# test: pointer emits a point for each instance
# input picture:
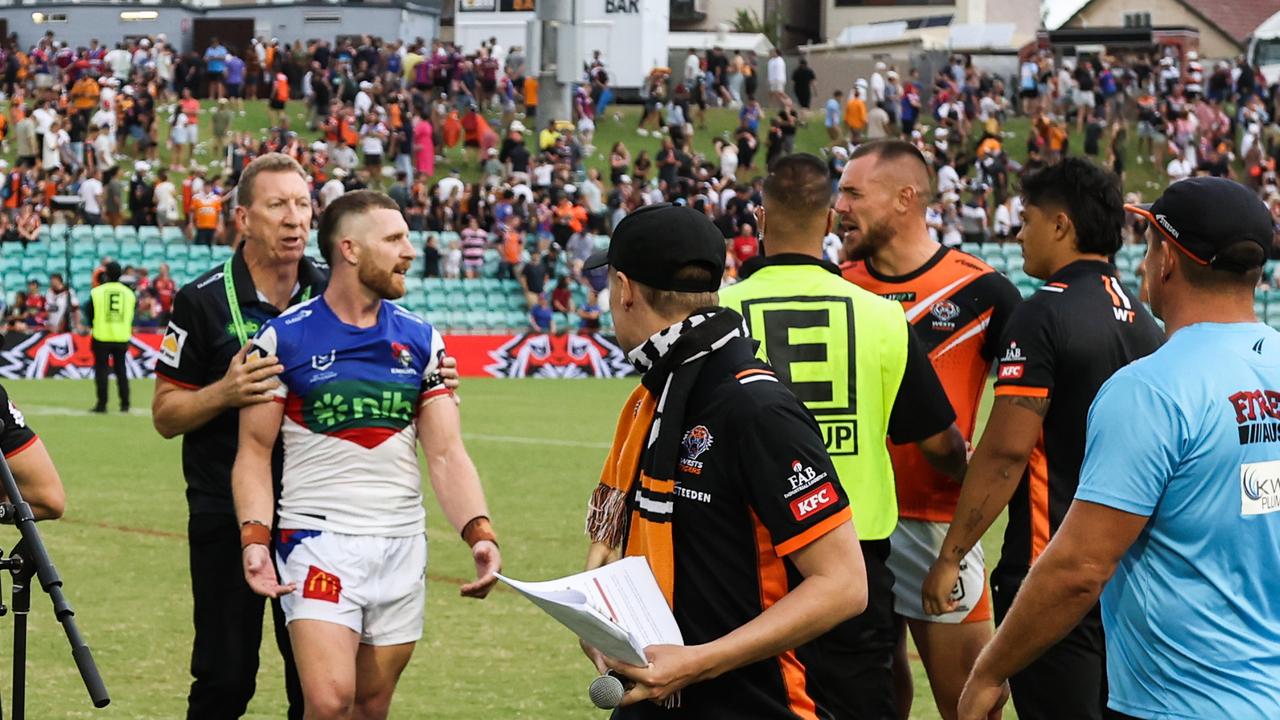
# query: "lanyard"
(233, 302)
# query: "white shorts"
(1083, 98)
(913, 547)
(778, 87)
(374, 585)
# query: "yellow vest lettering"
(113, 306)
(843, 352)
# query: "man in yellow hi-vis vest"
(853, 360)
(110, 314)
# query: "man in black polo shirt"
(720, 479)
(1060, 346)
(203, 379)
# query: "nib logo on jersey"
(1013, 363)
(363, 412)
(1257, 415)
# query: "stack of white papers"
(617, 609)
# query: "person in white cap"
(877, 85)
(364, 99)
(333, 189)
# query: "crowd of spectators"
(383, 114)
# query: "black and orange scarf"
(633, 505)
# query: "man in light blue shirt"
(1178, 508)
(835, 114)
(215, 69)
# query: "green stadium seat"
(200, 252)
(517, 321)
(196, 268)
(56, 265)
(495, 301)
(220, 253)
(56, 248)
(495, 320)
(149, 233)
(437, 300)
(79, 232)
(176, 252)
(516, 301)
(84, 249)
(10, 264)
(15, 281)
(153, 252)
(433, 284)
(126, 232)
(132, 247)
(12, 249)
(971, 248)
(33, 266)
(456, 300)
(82, 265)
(108, 247)
(172, 235)
(103, 232)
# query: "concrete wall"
(286, 22)
(1214, 43)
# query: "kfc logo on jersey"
(1012, 371)
(811, 503)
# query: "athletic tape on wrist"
(253, 532)
(477, 529)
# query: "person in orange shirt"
(511, 249)
(279, 99)
(959, 307)
(84, 94)
(530, 96)
(855, 112)
(206, 217)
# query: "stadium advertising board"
(67, 355)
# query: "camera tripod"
(29, 559)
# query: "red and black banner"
(67, 355)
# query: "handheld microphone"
(606, 691)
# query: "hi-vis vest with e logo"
(113, 305)
(843, 352)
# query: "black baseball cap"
(654, 242)
(1204, 215)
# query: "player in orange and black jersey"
(1060, 346)
(958, 306)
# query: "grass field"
(122, 551)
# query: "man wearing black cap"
(1058, 348)
(1177, 517)
(720, 480)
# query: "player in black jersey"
(1060, 346)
